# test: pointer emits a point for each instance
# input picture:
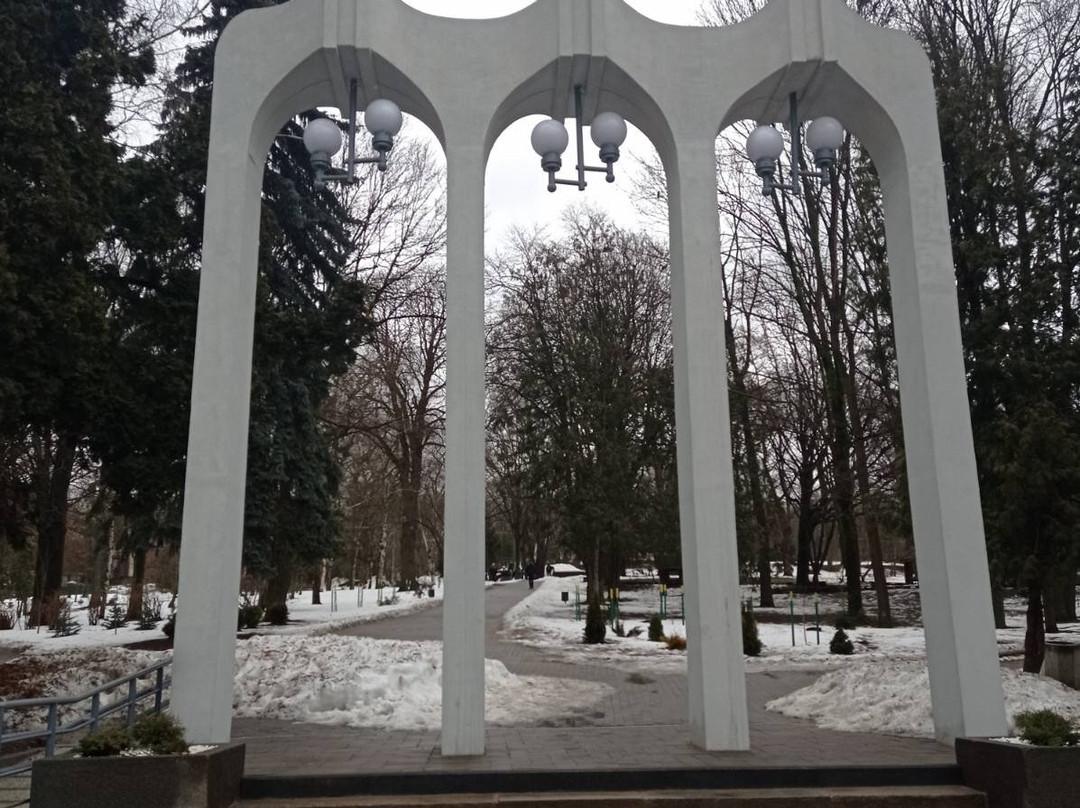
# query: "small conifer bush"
(65, 625)
(160, 733)
(751, 642)
(841, 643)
(106, 741)
(116, 618)
(251, 616)
(1046, 728)
(148, 617)
(656, 629)
(595, 630)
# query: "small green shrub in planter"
(277, 615)
(595, 630)
(751, 641)
(160, 733)
(107, 741)
(841, 644)
(1046, 728)
(656, 629)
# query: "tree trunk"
(316, 586)
(997, 600)
(805, 533)
(98, 576)
(276, 592)
(862, 474)
(761, 519)
(408, 547)
(52, 482)
(1035, 638)
(138, 578)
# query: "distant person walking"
(530, 573)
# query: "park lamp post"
(323, 139)
(550, 139)
(765, 145)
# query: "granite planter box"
(202, 780)
(1021, 776)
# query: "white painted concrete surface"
(467, 80)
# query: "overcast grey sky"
(516, 193)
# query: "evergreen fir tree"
(59, 185)
(148, 617)
(116, 618)
(309, 321)
(841, 643)
(65, 625)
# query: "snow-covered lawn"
(544, 622)
(88, 636)
(894, 699)
(351, 606)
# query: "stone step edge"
(885, 797)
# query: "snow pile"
(361, 682)
(894, 699)
(69, 672)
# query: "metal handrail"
(53, 704)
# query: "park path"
(640, 724)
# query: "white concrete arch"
(882, 91)
(467, 80)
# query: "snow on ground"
(361, 682)
(68, 672)
(351, 606)
(894, 699)
(352, 681)
(88, 636)
(544, 622)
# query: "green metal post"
(817, 616)
(791, 609)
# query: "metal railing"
(91, 719)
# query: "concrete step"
(884, 797)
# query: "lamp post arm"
(796, 143)
(580, 132)
(353, 104)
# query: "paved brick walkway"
(637, 726)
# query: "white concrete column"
(716, 683)
(204, 659)
(463, 607)
(961, 647)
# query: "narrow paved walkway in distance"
(641, 724)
